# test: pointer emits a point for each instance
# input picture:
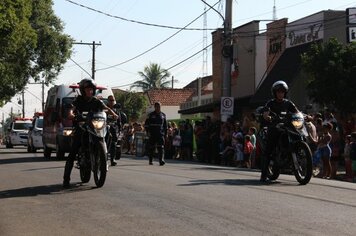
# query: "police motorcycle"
(92, 155)
(292, 153)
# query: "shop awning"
(287, 69)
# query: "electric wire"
(81, 67)
(251, 34)
(134, 21)
(157, 45)
(307, 24)
(33, 95)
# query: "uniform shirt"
(156, 124)
(283, 106)
(83, 105)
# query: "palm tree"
(153, 77)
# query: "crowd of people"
(233, 143)
(331, 146)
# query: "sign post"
(226, 107)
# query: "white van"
(57, 128)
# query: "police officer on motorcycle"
(156, 128)
(86, 102)
(115, 129)
(278, 105)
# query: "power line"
(133, 21)
(80, 67)
(143, 53)
(254, 34)
(33, 95)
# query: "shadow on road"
(43, 190)
(14, 160)
(237, 182)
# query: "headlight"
(98, 124)
(297, 124)
(67, 132)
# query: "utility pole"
(43, 94)
(23, 103)
(227, 52)
(93, 44)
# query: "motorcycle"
(92, 155)
(292, 153)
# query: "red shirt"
(248, 148)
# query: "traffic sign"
(351, 34)
(227, 106)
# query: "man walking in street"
(156, 128)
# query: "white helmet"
(280, 84)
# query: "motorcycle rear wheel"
(100, 165)
(304, 170)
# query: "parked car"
(57, 128)
(17, 134)
(35, 132)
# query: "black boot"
(113, 162)
(67, 171)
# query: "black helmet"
(280, 84)
(87, 82)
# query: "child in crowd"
(252, 132)
(248, 149)
(239, 154)
(325, 149)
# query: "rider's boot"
(113, 162)
(67, 171)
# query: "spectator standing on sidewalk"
(252, 132)
(248, 149)
(325, 149)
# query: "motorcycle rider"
(156, 127)
(116, 107)
(86, 102)
(278, 105)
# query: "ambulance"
(18, 132)
(57, 128)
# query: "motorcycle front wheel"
(85, 171)
(303, 166)
(273, 171)
(100, 165)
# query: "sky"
(134, 33)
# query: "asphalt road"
(180, 198)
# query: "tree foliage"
(153, 77)
(331, 71)
(133, 104)
(32, 45)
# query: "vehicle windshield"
(65, 102)
(39, 123)
(22, 125)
